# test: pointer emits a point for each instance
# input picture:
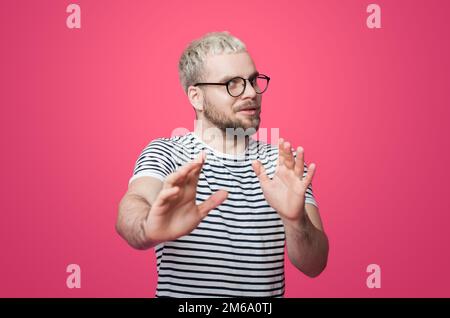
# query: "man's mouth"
(249, 111)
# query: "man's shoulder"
(178, 147)
(171, 141)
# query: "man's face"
(220, 108)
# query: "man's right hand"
(175, 212)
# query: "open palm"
(286, 191)
(175, 212)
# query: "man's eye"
(236, 82)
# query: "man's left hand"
(286, 191)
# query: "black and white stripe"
(238, 249)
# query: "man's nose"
(249, 90)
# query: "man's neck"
(219, 140)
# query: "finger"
(288, 156)
(177, 177)
(166, 195)
(299, 162)
(180, 175)
(260, 171)
(201, 157)
(280, 152)
(310, 174)
(194, 174)
(198, 162)
(212, 202)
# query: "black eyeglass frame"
(262, 76)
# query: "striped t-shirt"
(238, 248)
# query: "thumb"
(212, 202)
(260, 171)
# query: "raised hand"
(286, 191)
(175, 212)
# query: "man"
(219, 223)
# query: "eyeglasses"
(236, 86)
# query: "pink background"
(370, 107)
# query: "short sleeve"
(156, 160)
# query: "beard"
(224, 121)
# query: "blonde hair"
(192, 61)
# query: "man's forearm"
(307, 246)
(133, 212)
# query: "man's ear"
(195, 95)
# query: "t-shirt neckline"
(239, 156)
